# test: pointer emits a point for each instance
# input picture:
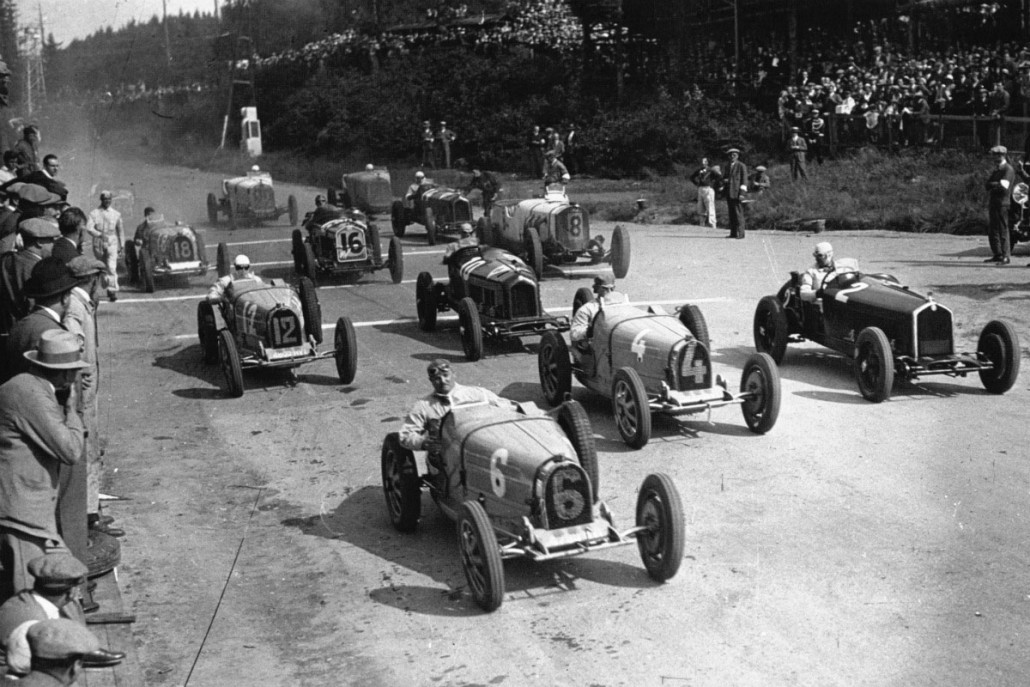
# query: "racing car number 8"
(499, 458)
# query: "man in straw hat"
(736, 190)
(38, 434)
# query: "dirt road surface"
(855, 544)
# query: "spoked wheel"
(206, 332)
(554, 367)
(396, 258)
(297, 241)
(345, 345)
(694, 321)
(471, 331)
(620, 252)
(660, 510)
(230, 360)
(770, 328)
(480, 556)
(999, 343)
(425, 302)
(397, 218)
(534, 251)
(874, 365)
(630, 407)
(401, 484)
(310, 309)
(760, 379)
(574, 420)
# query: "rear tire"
(770, 328)
(345, 344)
(396, 258)
(534, 251)
(425, 301)
(310, 309)
(692, 318)
(231, 367)
(999, 343)
(471, 331)
(874, 365)
(480, 556)
(401, 484)
(620, 252)
(554, 367)
(397, 218)
(761, 378)
(660, 510)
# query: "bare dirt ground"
(855, 544)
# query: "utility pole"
(168, 47)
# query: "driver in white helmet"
(240, 273)
(413, 190)
(468, 240)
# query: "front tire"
(874, 365)
(574, 420)
(471, 332)
(999, 343)
(401, 485)
(761, 379)
(630, 408)
(554, 367)
(397, 219)
(396, 258)
(770, 328)
(693, 319)
(425, 301)
(534, 251)
(310, 309)
(310, 264)
(480, 556)
(345, 345)
(620, 252)
(298, 251)
(230, 360)
(660, 510)
(206, 332)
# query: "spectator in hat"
(998, 101)
(46, 176)
(759, 181)
(36, 201)
(56, 576)
(798, 148)
(40, 430)
(60, 648)
(49, 286)
(16, 269)
(28, 150)
(999, 194)
(427, 145)
(105, 226)
(554, 171)
(487, 185)
(736, 190)
(444, 139)
(537, 145)
(71, 224)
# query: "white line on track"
(200, 297)
(401, 320)
(259, 243)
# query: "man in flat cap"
(59, 648)
(736, 189)
(16, 269)
(999, 194)
(581, 331)
(105, 225)
(49, 287)
(40, 430)
(421, 428)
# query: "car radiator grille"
(284, 329)
(523, 300)
(462, 211)
(933, 328)
(567, 497)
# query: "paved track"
(856, 544)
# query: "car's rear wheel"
(694, 320)
(310, 309)
(345, 346)
(760, 379)
(583, 295)
(132, 262)
(310, 264)
(231, 366)
(469, 327)
(660, 510)
(480, 556)
(222, 260)
(630, 408)
(534, 251)
(397, 219)
(770, 328)
(206, 332)
(401, 484)
(146, 270)
(554, 367)
(620, 252)
(297, 240)
(291, 209)
(574, 420)
(396, 258)
(999, 343)
(425, 301)
(430, 223)
(212, 208)
(874, 365)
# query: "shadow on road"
(983, 292)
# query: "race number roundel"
(497, 481)
(182, 249)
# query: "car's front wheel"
(761, 381)
(310, 309)
(396, 258)
(425, 301)
(231, 366)
(397, 218)
(345, 346)
(222, 260)
(554, 367)
(770, 328)
(999, 343)
(874, 365)
(471, 331)
(660, 511)
(401, 485)
(630, 408)
(480, 556)
(206, 332)
(298, 251)
(534, 251)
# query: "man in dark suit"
(50, 287)
(47, 177)
(71, 223)
(736, 188)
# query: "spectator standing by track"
(444, 139)
(706, 179)
(537, 144)
(999, 194)
(105, 225)
(798, 149)
(736, 188)
(572, 150)
(28, 150)
(428, 137)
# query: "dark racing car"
(440, 210)
(888, 329)
(346, 244)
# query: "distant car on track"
(249, 200)
(886, 328)
(522, 483)
(368, 190)
(347, 245)
(440, 210)
(165, 250)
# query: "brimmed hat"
(999, 150)
(760, 168)
(39, 228)
(106, 194)
(37, 195)
(82, 266)
(50, 276)
(604, 280)
(733, 150)
(58, 349)
(60, 638)
(57, 571)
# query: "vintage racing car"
(164, 250)
(551, 230)
(441, 210)
(368, 190)
(648, 361)
(249, 200)
(886, 328)
(494, 293)
(265, 325)
(345, 245)
(524, 483)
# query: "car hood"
(872, 292)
